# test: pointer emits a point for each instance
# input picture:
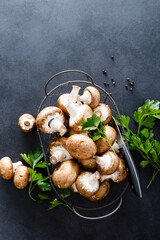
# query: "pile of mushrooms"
(84, 166)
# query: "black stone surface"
(42, 37)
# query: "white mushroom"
(107, 163)
(87, 183)
(26, 122)
(7, 168)
(51, 120)
(91, 96)
(58, 150)
(104, 112)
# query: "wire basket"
(81, 205)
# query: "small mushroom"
(81, 147)
(91, 96)
(74, 188)
(58, 151)
(102, 144)
(119, 175)
(7, 168)
(65, 99)
(87, 183)
(26, 122)
(107, 163)
(65, 174)
(104, 112)
(88, 163)
(21, 177)
(101, 193)
(51, 120)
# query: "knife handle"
(132, 174)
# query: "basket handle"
(101, 217)
(67, 71)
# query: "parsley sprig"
(143, 141)
(96, 129)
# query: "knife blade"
(132, 173)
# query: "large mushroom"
(102, 144)
(81, 147)
(119, 175)
(87, 183)
(7, 168)
(58, 150)
(26, 122)
(107, 163)
(65, 174)
(104, 112)
(101, 193)
(88, 163)
(91, 96)
(51, 120)
(21, 177)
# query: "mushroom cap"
(26, 122)
(108, 163)
(82, 113)
(46, 116)
(21, 177)
(122, 173)
(87, 184)
(62, 102)
(101, 193)
(102, 144)
(65, 174)
(72, 132)
(88, 163)
(81, 147)
(6, 168)
(104, 111)
(95, 96)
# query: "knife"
(132, 173)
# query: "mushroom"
(65, 174)
(104, 112)
(116, 147)
(64, 100)
(21, 177)
(101, 193)
(58, 151)
(119, 175)
(72, 132)
(102, 144)
(81, 147)
(107, 163)
(87, 183)
(88, 163)
(74, 188)
(26, 122)
(51, 120)
(7, 168)
(91, 96)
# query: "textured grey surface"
(39, 38)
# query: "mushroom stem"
(57, 156)
(98, 113)
(16, 165)
(74, 93)
(60, 127)
(86, 97)
(27, 123)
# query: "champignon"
(65, 99)
(26, 122)
(65, 174)
(102, 144)
(81, 147)
(21, 177)
(87, 183)
(51, 120)
(101, 193)
(58, 151)
(119, 175)
(107, 163)
(91, 96)
(7, 168)
(104, 112)
(88, 163)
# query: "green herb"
(96, 129)
(143, 141)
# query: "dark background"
(40, 38)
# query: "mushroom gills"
(102, 111)
(86, 97)
(89, 182)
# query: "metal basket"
(113, 201)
